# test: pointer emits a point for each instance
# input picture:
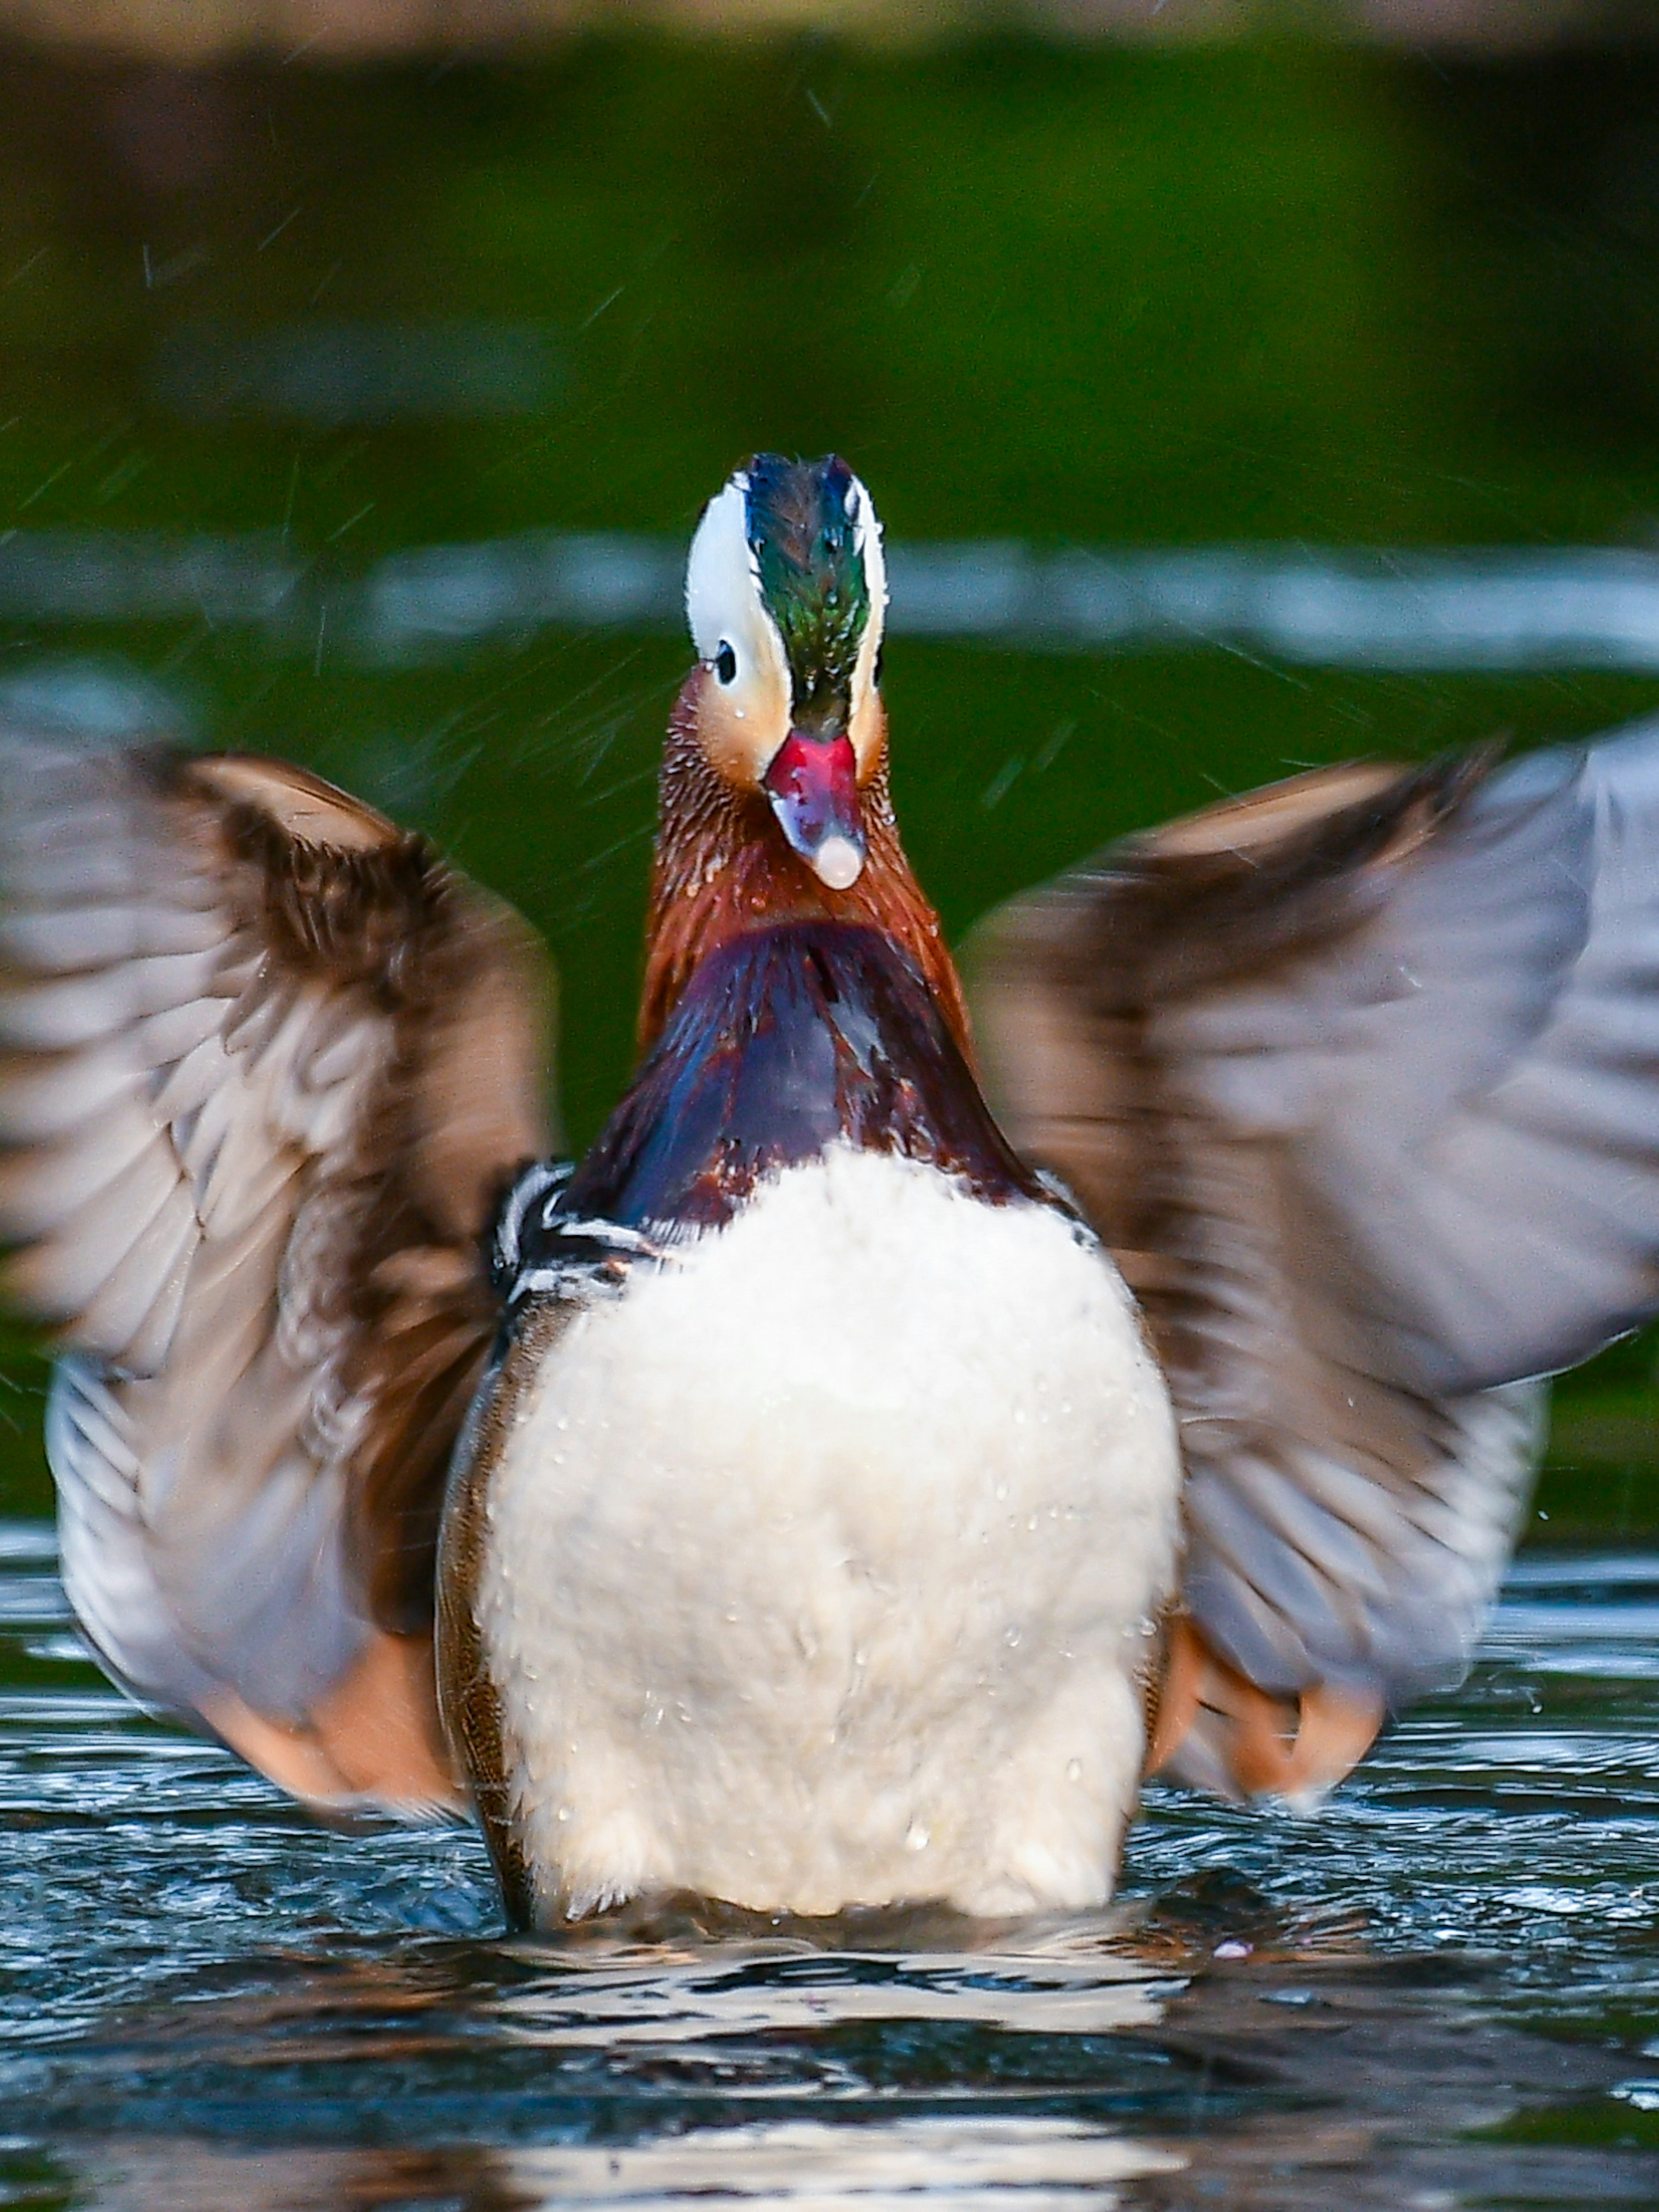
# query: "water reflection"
(1041, 1990)
(1032, 2166)
(1443, 1990)
(1250, 2083)
(1496, 610)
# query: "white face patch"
(866, 724)
(744, 716)
(746, 709)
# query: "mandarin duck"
(831, 1492)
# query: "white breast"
(822, 1564)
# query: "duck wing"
(267, 1064)
(1358, 1078)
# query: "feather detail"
(1354, 1077)
(788, 1039)
(723, 868)
(254, 1123)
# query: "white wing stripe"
(46, 1097)
(41, 1186)
(161, 1039)
(132, 1318)
(61, 940)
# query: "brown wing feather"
(268, 1063)
(1246, 1042)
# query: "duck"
(899, 1434)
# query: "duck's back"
(817, 1564)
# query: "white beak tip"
(838, 863)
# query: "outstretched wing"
(1358, 1078)
(267, 1064)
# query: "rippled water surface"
(1444, 1991)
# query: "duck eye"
(726, 662)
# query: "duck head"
(786, 592)
(774, 800)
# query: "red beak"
(813, 785)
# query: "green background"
(1056, 295)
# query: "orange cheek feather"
(723, 866)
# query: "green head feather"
(812, 577)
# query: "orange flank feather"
(723, 867)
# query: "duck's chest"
(819, 1566)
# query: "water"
(1492, 608)
(1443, 1990)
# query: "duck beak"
(813, 786)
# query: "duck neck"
(723, 868)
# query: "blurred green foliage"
(1056, 295)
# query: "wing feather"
(266, 1064)
(1359, 1079)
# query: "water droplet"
(1011, 1638)
(1074, 1770)
(564, 1813)
(916, 1836)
